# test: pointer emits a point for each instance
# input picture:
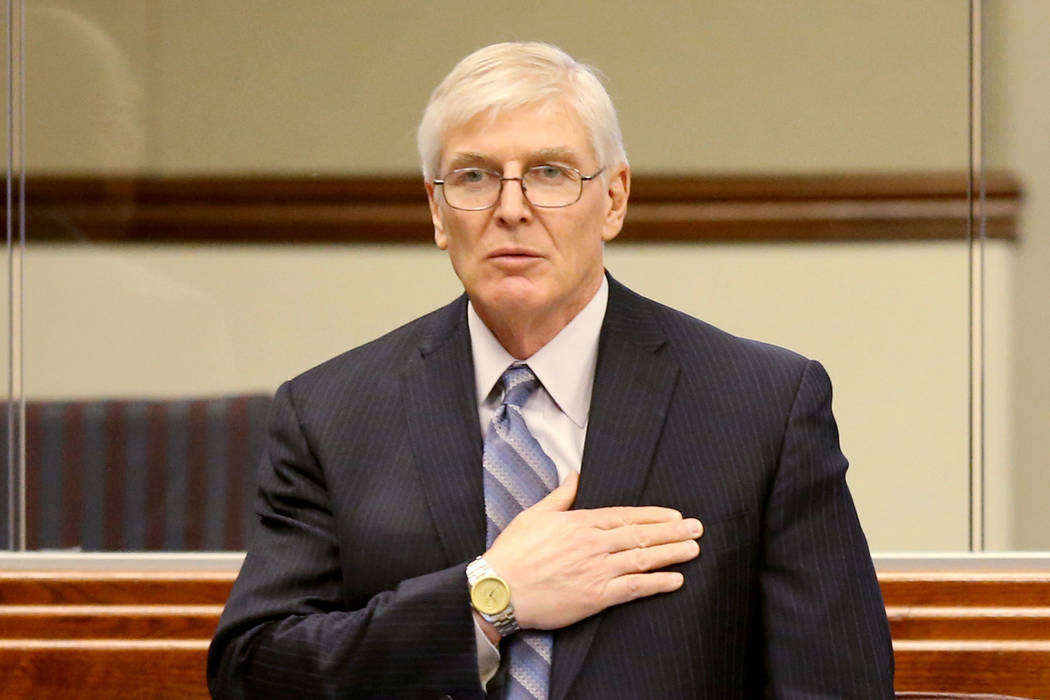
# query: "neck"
(522, 338)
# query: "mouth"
(519, 255)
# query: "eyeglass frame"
(521, 183)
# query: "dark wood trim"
(987, 623)
(985, 589)
(109, 621)
(114, 588)
(966, 632)
(272, 209)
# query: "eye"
(549, 172)
(470, 176)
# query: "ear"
(435, 215)
(618, 192)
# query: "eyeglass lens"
(543, 186)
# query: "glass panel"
(832, 88)
(8, 498)
(1017, 318)
(12, 477)
(149, 364)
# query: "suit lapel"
(442, 418)
(633, 384)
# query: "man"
(507, 494)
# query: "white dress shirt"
(556, 413)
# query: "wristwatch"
(490, 596)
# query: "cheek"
(460, 255)
(585, 248)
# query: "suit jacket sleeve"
(287, 629)
(822, 613)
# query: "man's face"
(517, 260)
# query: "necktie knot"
(518, 383)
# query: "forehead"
(520, 134)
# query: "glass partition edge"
(15, 225)
(976, 231)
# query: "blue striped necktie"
(518, 473)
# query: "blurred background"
(221, 194)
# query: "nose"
(512, 207)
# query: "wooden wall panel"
(145, 634)
(1016, 669)
(98, 669)
(973, 632)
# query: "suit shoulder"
(695, 337)
(754, 381)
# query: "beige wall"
(327, 86)
(178, 86)
(889, 321)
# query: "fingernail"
(696, 527)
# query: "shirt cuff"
(488, 655)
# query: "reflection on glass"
(12, 473)
(149, 366)
(1017, 121)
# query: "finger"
(649, 534)
(562, 497)
(634, 561)
(633, 586)
(618, 516)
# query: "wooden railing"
(145, 634)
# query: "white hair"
(519, 74)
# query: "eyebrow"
(468, 159)
(559, 153)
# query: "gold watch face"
(490, 595)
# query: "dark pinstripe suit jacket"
(370, 506)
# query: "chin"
(509, 295)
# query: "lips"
(513, 254)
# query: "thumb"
(562, 497)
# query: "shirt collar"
(565, 365)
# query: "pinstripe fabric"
(371, 504)
(518, 474)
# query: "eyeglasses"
(548, 186)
